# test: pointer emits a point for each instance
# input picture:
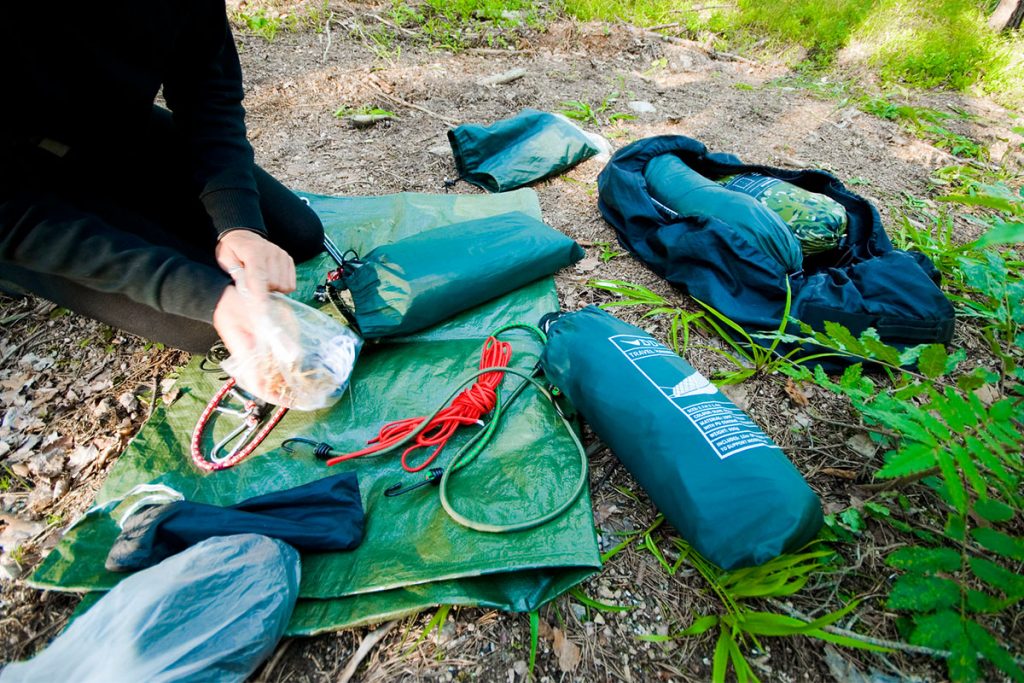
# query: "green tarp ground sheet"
(413, 556)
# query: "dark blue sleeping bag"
(865, 283)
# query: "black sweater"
(86, 75)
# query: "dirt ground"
(73, 391)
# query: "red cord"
(466, 408)
(200, 460)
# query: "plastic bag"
(212, 613)
(303, 358)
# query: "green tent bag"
(819, 222)
(717, 478)
(529, 146)
(687, 193)
(413, 283)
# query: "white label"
(726, 428)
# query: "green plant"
(608, 252)
(366, 110)
(597, 115)
(746, 352)
(635, 295)
(934, 428)
(741, 627)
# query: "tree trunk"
(1008, 15)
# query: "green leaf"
(980, 602)
(1003, 233)
(991, 649)
(932, 361)
(936, 630)
(923, 593)
(721, 657)
(993, 510)
(845, 338)
(998, 577)
(1000, 543)
(951, 478)
(913, 458)
(585, 599)
(881, 351)
(534, 636)
(963, 664)
(876, 509)
(851, 517)
(699, 626)
(925, 560)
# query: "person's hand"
(255, 264)
(234, 322)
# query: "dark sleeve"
(203, 89)
(44, 235)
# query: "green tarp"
(413, 556)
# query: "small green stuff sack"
(819, 222)
(726, 487)
(530, 146)
(689, 194)
(418, 281)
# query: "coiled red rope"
(466, 408)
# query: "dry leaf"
(793, 391)
(738, 394)
(81, 458)
(568, 652)
(588, 264)
(836, 472)
(17, 531)
(861, 444)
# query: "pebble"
(641, 107)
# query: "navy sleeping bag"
(865, 283)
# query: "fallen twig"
(365, 645)
(871, 640)
(410, 105)
(327, 30)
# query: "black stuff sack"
(530, 146)
(400, 288)
(864, 283)
(325, 515)
(718, 479)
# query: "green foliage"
(938, 430)
(455, 25)
(366, 110)
(596, 115)
(924, 123)
(739, 625)
(635, 295)
(608, 251)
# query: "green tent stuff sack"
(530, 146)
(819, 222)
(687, 193)
(408, 285)
(717, 478)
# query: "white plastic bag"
(210, 614)
(303, 358)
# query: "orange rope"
(466, 408)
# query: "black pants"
(67, 222)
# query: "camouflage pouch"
(817, 221)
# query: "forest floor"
(73, 392)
